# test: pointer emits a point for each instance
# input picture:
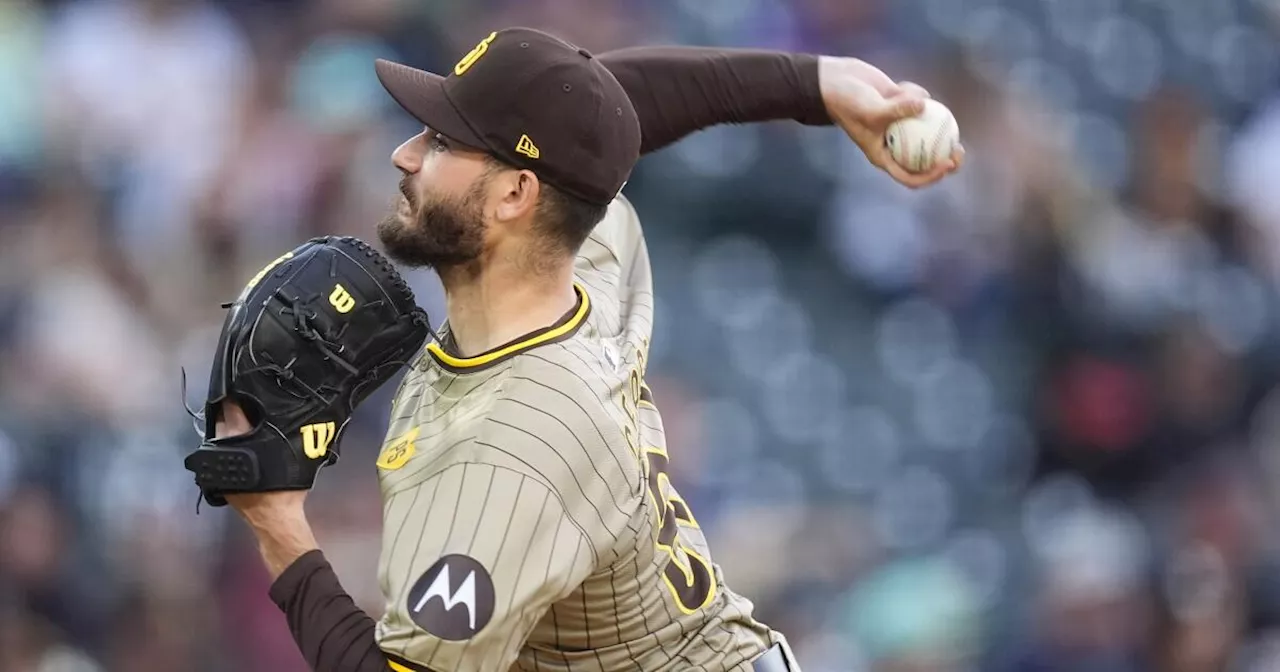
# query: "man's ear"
(517, 196)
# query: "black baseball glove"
(309, 338)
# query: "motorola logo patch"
(453, 599)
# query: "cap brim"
(422, 95)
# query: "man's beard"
(443, 233)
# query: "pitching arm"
(679, 90)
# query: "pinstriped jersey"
(529, 523)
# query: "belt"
(773, 660)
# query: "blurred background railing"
(1025, 420)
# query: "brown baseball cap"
(534, 101)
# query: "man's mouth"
(404, 191)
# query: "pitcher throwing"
(528, 519)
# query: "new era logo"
(453, 599)
(526, 147)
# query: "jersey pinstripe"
(528, 520)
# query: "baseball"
(918, 142)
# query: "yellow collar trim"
(541, 337)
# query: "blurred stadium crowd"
(1025, 421)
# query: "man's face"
(439, 220)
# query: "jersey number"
(690, 578)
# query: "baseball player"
(529, 522)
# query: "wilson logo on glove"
(341, 299)
(297, 369)
(316, 438)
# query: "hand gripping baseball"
(309, 338)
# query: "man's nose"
(408, 156)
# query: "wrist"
(281, 545)
(281, 528)
(835, 71)
(266, 514)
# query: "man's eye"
(438, 144)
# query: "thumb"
(900, 107)
(233, 421)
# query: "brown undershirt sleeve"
(333, 634)
(679, 90)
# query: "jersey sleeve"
(477, 555)
(613, 247)
(613, 265)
